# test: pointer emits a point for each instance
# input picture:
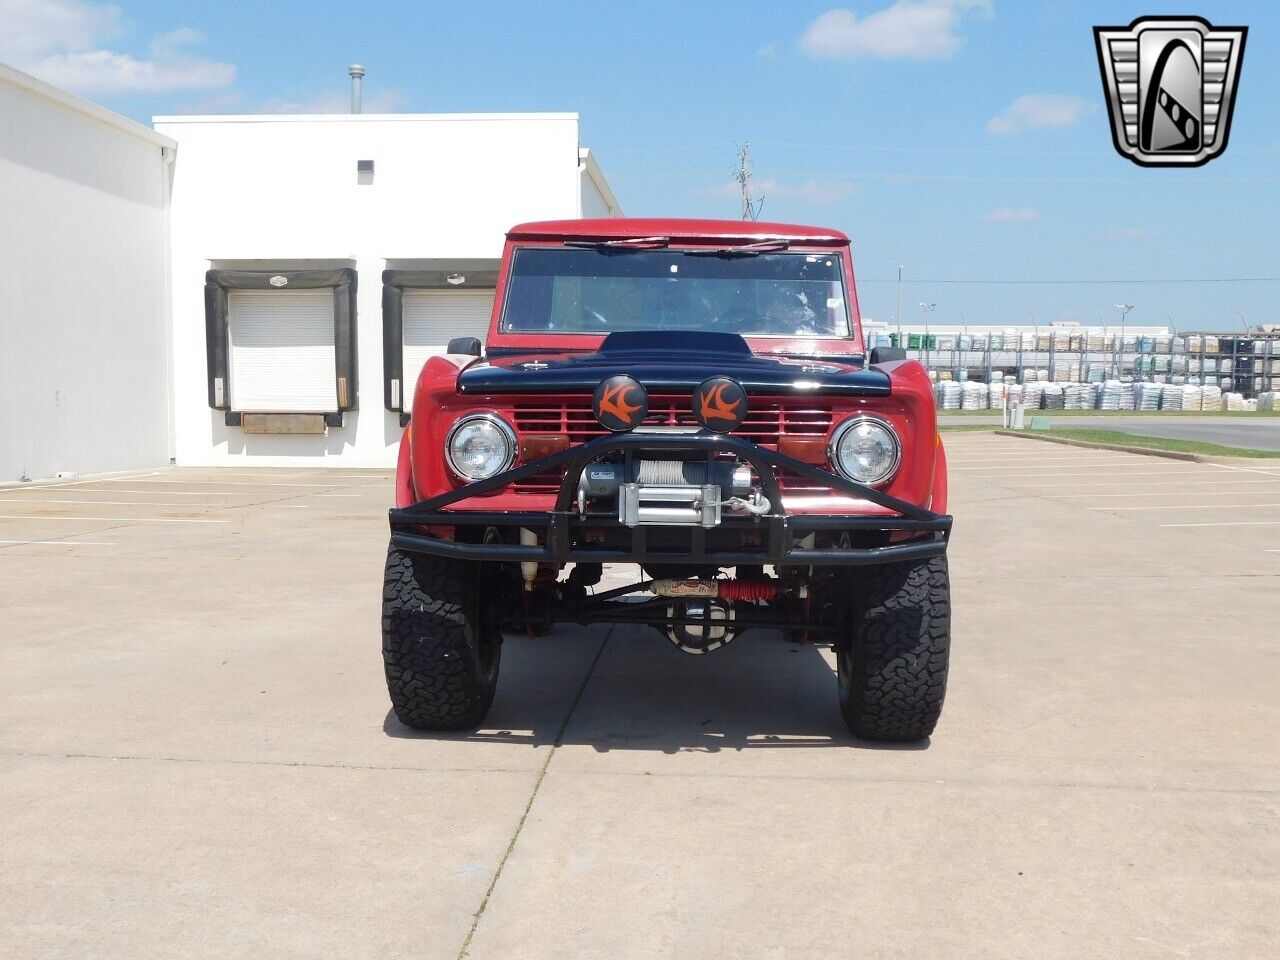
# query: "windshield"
(603, 290)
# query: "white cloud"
(1012, 215)
(62, 41)
(338, 101)
(915, 29)
(1127, 233)
(1037, 111)
(814, 192)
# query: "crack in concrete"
(465, 951)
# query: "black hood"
(673, 361)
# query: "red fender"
(938, 500)
(406, 495)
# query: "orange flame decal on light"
(614, 401)
(714, 407)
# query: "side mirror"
(469, 346)
(887, 354)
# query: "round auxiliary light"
(480, 446)
(620, 403)
(720, 404)
(866, 449)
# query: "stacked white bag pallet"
(1116, 396)
(973, 395)
(1054, 397)
(1148, 397)
(1171, 397)
(950, 395)
(997, 391)
(1211, 397)
(1032, 395)
(1267, 400)
(1192, 397)
(1234, 401)
(1073, 396)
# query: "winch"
(671, 492)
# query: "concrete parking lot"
(197, 758)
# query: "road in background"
(1262, 433)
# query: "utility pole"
(901, 343)
(750, 208)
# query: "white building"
(217, 290)
(84, 316)
(318, 260)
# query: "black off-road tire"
(892, 663)
(440, 644)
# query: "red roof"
(621, 228)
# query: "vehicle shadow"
(635, 691)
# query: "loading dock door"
(281, 351)
(434, 317)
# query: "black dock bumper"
(775, 538)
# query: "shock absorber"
(748, 590)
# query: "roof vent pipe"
(357, 73)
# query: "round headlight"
(866, 449)
(478, 447)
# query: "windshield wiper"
(745, 250)
(630, 243)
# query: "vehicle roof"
(620, 228)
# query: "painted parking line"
(1021, 457)
(1162, 493)
(1193, 506)
(58, 543)
(1126, 483)
(113, 492)
(1086, 474)
(11, 516)
(1236, 467)
(238, 483)
(33, 501)
(1045, 468)
(1226, 523)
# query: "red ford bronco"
(695, 397)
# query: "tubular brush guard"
(562, 525)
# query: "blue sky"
(965, 140)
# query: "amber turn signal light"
(805, 449)
(535, 448)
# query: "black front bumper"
(563, 528)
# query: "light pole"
(925, 310)
(1124, 309)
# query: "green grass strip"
(1159, 443)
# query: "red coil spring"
(748, 589)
